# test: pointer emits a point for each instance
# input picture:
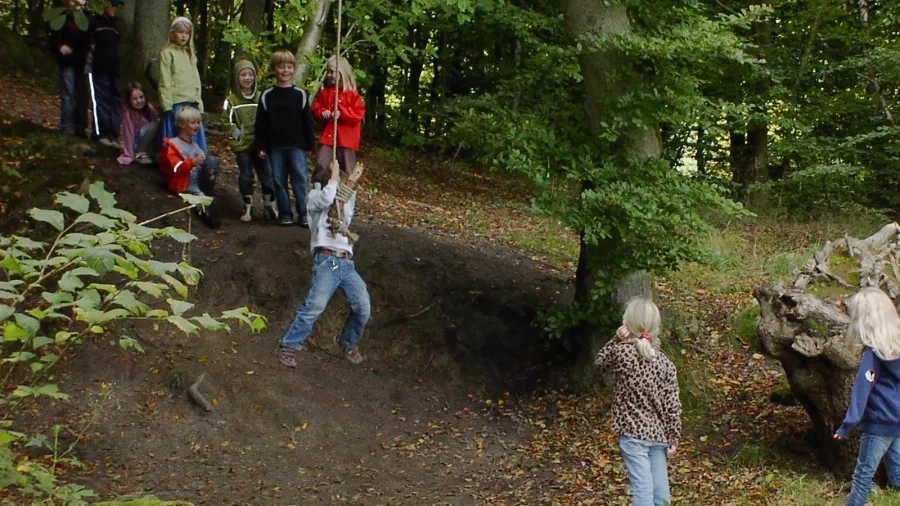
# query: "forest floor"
(457, 403)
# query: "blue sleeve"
(859, 396)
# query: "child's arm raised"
(322, 200)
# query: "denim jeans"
(646, 463)
(248, 161)
(290, 163)
(203, 178)
(72, 101)
(871, 449)
(329, 274)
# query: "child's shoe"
(143, 159)
(109, 142)
(304, 222)
(287, 355)
(248, 206)
(286, 220)
(352, 354)
(270, 207)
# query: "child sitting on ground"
(332, 269)
(140, 124)
(646, 409)
(874, 404)
(185, 166)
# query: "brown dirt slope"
(451, 321)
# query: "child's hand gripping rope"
(344, 194)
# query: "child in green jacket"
(240, 108)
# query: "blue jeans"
(329, 274)
(248, 161)
(72, 101)
(289, 163)
(646, 463)
(871, 449)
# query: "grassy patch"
(551, 240)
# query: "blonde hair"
(346, 81)
(874, 322)
(642, 319)
(182, 21)
(186, 114)
(282, 56)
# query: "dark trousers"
(247, 162)
(107, 104)
(346, 159)
(73, 101)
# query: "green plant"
(96, 270)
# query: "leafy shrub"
(97, 269)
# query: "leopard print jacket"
(645, 397)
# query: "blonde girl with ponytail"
(646, 410)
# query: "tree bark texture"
(312, 34)
(803, 325)
(584, 18)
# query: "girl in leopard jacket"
(646, 408)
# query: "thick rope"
(337, 59)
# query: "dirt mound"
(451, 323)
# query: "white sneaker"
(246, 216)
(104, 141)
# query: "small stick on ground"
(194, 390)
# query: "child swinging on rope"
(330, 208)
(347, 109)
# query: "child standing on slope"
(874, 404)
(333, 269)
(240, 107)
(646, 408)
(284, 132)
(102, 68)
(140, 124)
(70, 45)
(350, 114)
(179, 79)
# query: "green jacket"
(179, 79)
(240, 111)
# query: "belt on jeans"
(331, 252)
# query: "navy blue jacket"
(875, 398)
(103, 57)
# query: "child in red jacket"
(185, 166)
(349, 116)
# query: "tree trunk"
(312, 34)
(201, 38)
(253, 15)
(145, 28)
(583, 18)
(803, 326)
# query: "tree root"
(195, 394)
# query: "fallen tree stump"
(803, 326)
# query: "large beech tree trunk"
(145, 26)
(803, 326)
(584, 18)
(312, 34)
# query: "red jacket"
(352, 110)
(175, 167)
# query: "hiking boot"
(287, 355)
(248, 206)
(270, 208)
(286, 220)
